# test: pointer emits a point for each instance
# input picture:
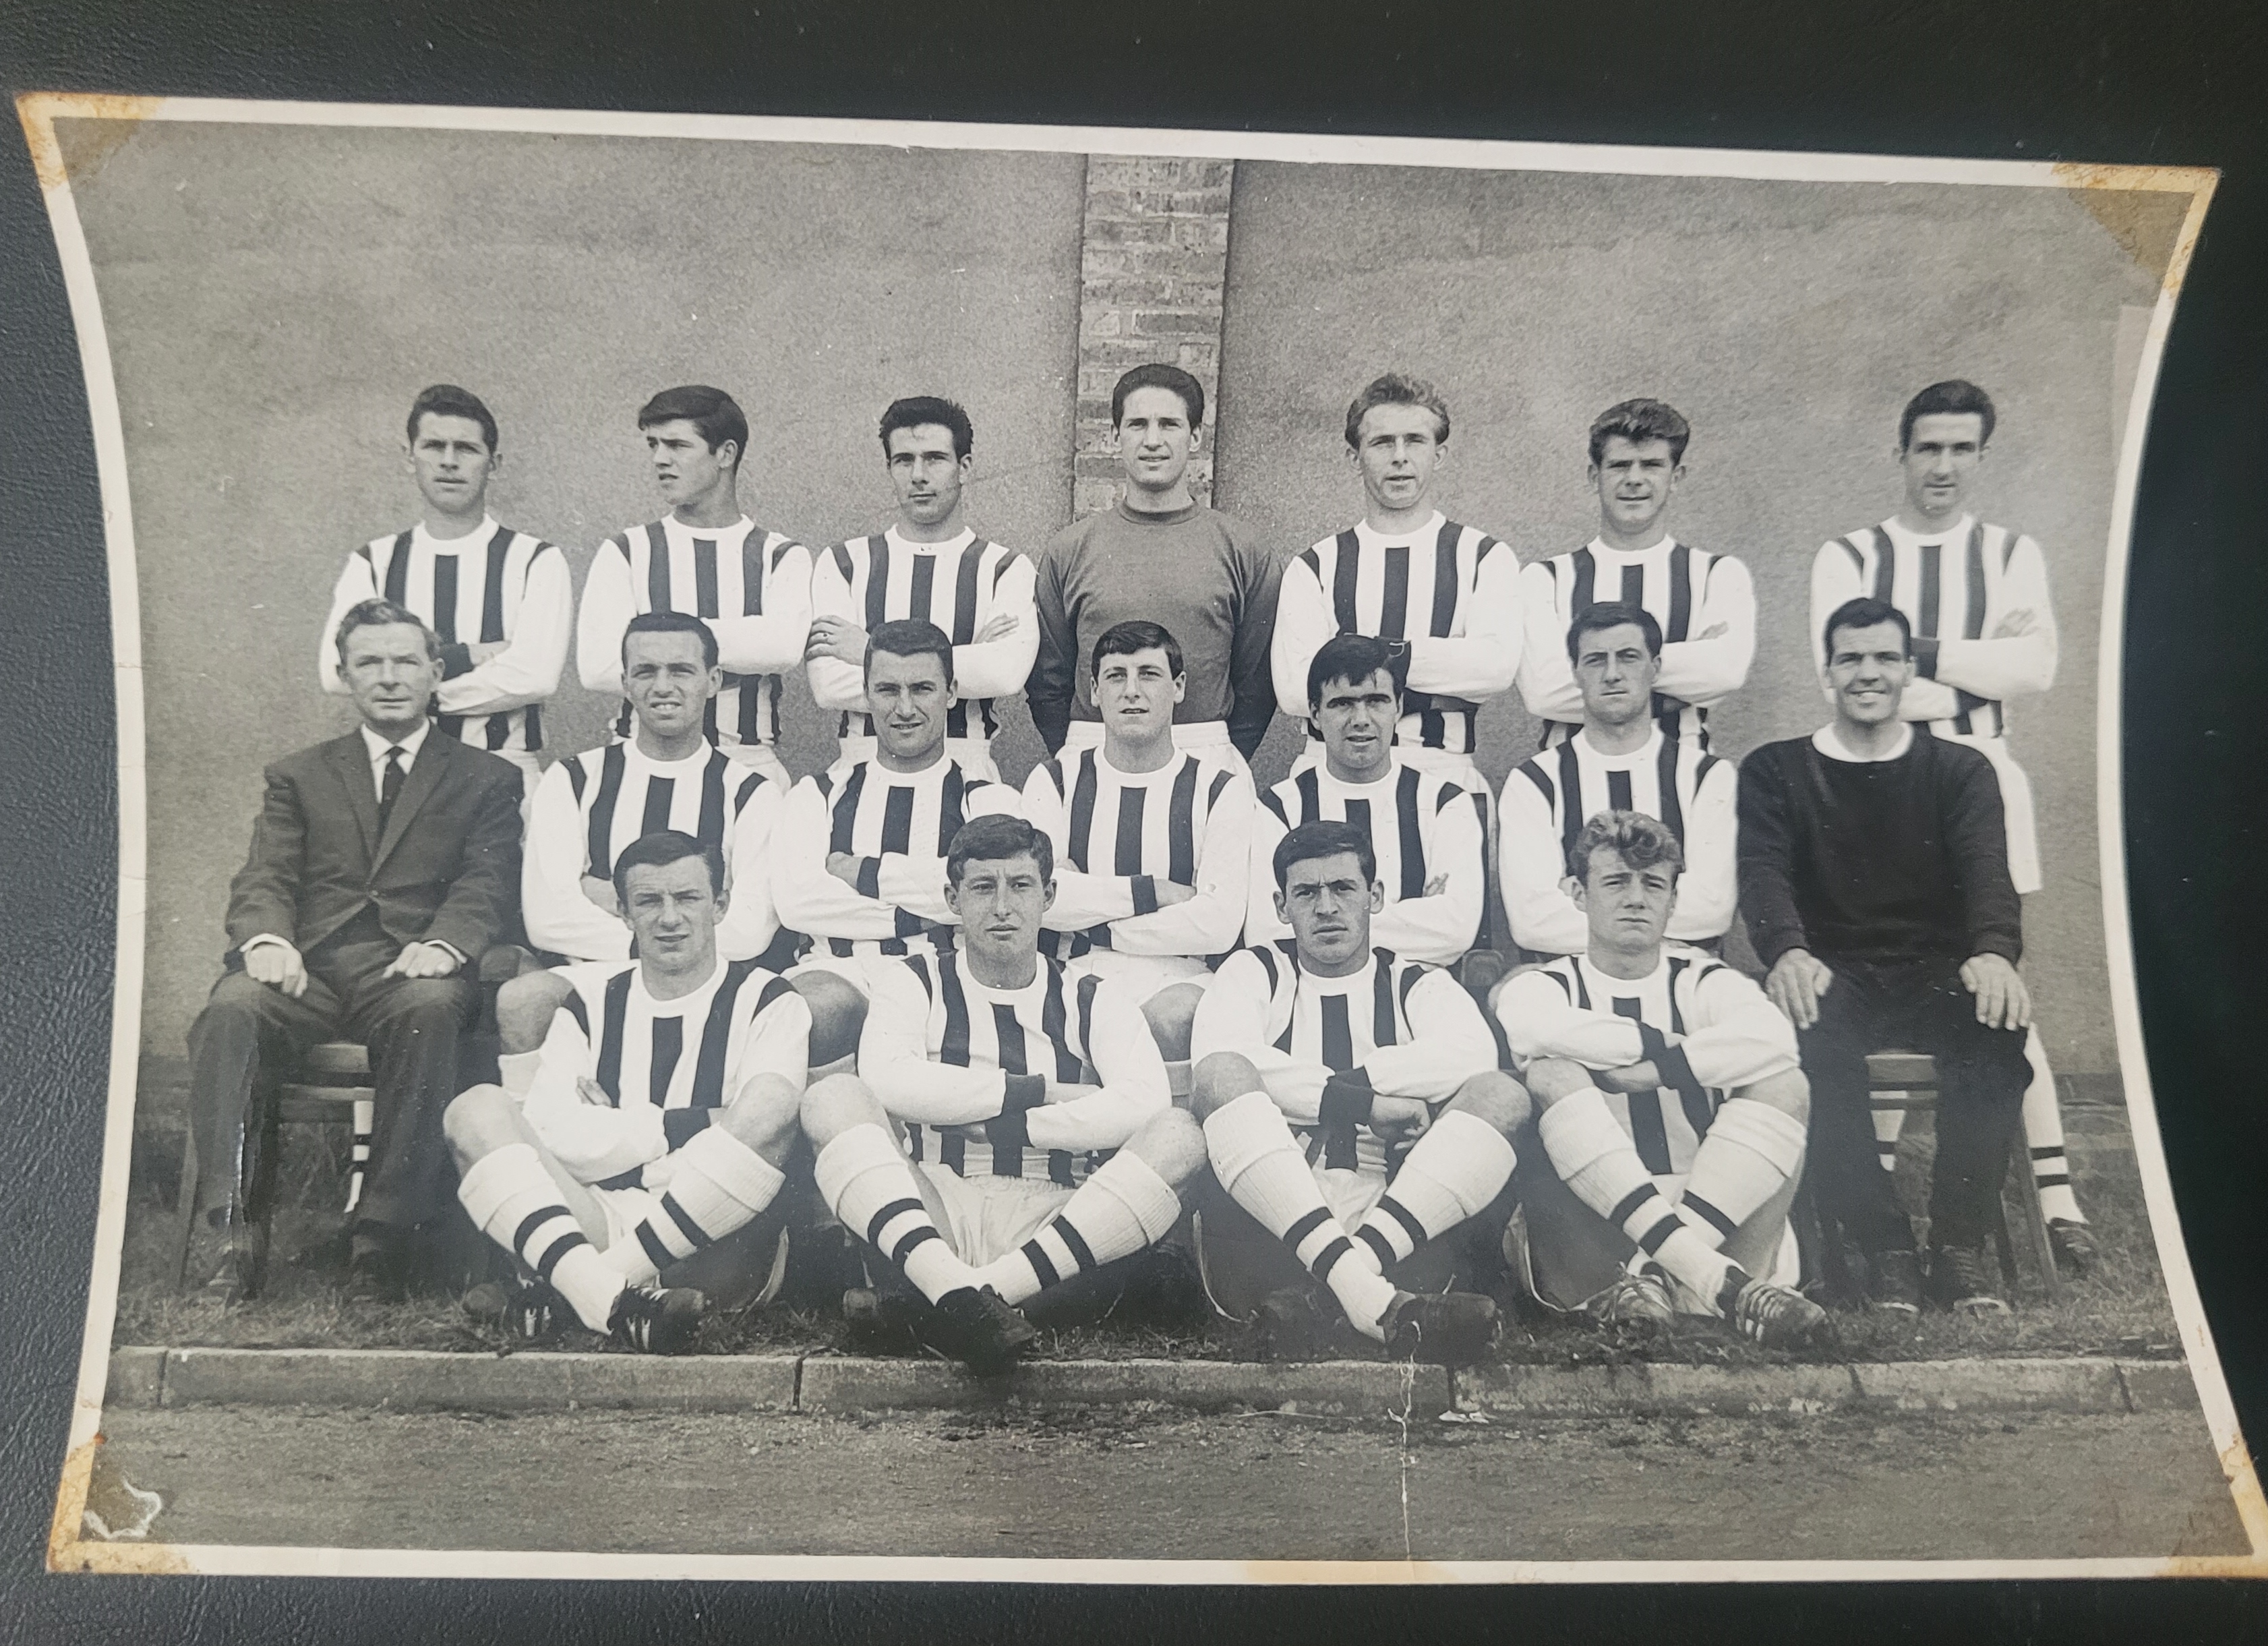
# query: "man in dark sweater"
(1875, 880)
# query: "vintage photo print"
(864, 849)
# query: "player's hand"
(1716, 631)
(601, 892)
(1397, 1113)
(655, 1176)
(277, 965)
(2002, 1000)
(591, 1092)
(1795, 983)
(999, 626)
(1436, 885)
(485, 651)
(1172, 892)
(845, 866)
(422, 960)
(2021, 621)
(837, 637)
(1629, 1079)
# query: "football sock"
(868, 1183)
(1123, 1206)
(716, 1183)
(1890, 1123)
(1748, 1155)
(1265, 1171)
(1596, 1158)
(2044, 1133)
(1450, 1174)
(517, 1072)
(510, 1196)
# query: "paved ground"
(1139, 1485)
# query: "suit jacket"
(447, 867)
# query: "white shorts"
(987, 1217)
(850, 968)
(1350, 1193)
(763, 758)
(1143, 974)
(2016, 806)
(1194, 737)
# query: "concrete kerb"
(417, 1379)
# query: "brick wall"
(1153, 255)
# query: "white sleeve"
(834, 685)
(593, 1140)
(998, 669)
(777, 1043)
(2020, 664)
(1440, 930)
(1547, 680)
(1208, 923)
(609, 605)
(1709, 885)
(917, 883)
(559, 918)
(751, 921)
(809, 899)
(1450, 1044)
(770, 643)
(1743, 1037)
(1834, 579)
(1482, 664)
(1081, 899)
(1304, 621)
(357, 582)
(1232, 1016)
(894, 1062)
(1262, 924)
(528, 669)
(1540, 1021)
(1134, 1089)
(1532, 861)
(1705, 672)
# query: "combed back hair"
(1136, 634)
(661, 849)
(1865, 613)
(711, 410)
(1612, 614)
(1642, 842)
(994, 837)
(1954, 395)
(672, 623)
(920, 410)
(1354, 659)
(374, 614)
(1313, 841)
(446, 400)
(1156, 375)
(1639, 421)
(911, 637)
(1394, 388)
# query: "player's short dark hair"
(1641, 841)
(994, 837)
(1396, 388)
(1612, 614)
(672, 623)
(1136, 634)
(1353, 658)
(661, 848)
(918, 410)
(377, 614)
(1955, 394)
(711, 410)
(1864, 613)
(1158, 375)
(910, 636)
(1639, 421)
(446, 400)
(1322, 839)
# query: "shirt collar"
(377, 746)
(1601, 546)
(474, 538)
(960, 540)
(1826, 742)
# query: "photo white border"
(69, 1551)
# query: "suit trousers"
(412, 1027)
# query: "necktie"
(389, 786)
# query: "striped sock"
(1265, 1171)
(510, 1198)
(1450, 1174)
(1889, 1124)
(1748, 1155)
(868, 1183)
(1123, 1206)
(716, 1183)
(2044, 1133)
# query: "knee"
(1496, 1098)
(1221, 1078)
(832, 1106)
(1172, 1012)
(236, 999)
(526, 1006)
(474, 1121)
(766, 1122)
(1171, 1144)
(431, 1004)
(838, 1012)
(1553, 1079)
(1788, 1091)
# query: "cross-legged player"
(1151, 841)
(659, 1124)
(1354, 1112)
(1670, 1105)
(1428, 832)
(931, 565)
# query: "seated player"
(1620, 759)
(1669, 1102)
(659, 1124)
(1044, 1142)
(591, 806)
(1353, 1108)
(859, 860)
(1152, 839)
(1431, 855)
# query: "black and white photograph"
(1522, 738)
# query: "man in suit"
(383, 863)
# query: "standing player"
(1427, 833)
(1390, 1070)
(1621, 760)
(501, 600)
(1158, 555)
(1444, 597)
(1154, 840)
(1983, 630)
(1671, 1107)
(660, 1122)
(932, 567)
(752, 587)
(1026, 1171)
(1703, 604)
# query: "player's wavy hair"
(1641, 842)
(1612, 614)
(378, 614)
(1639, 421)
(1135, 634)
(661, 849)
(1156, 374)
(1864, 613)
(1397, 388)
(1322, 838)
(920, 410)
(672, 623)
(1955, 395)
(711, 410)
(911, 637)
(446, 400)
(994, 837)
(1353, 659)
